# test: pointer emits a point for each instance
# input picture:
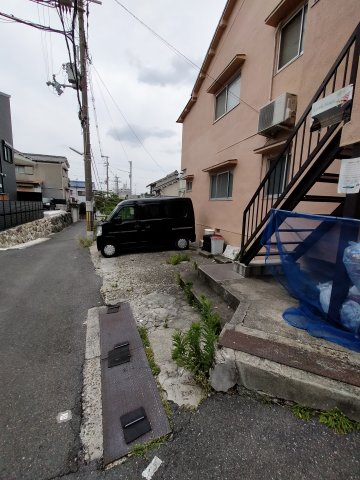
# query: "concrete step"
(217, 277)
(260, 351)
(200, 288)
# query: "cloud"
(125, 134)
(178, 72)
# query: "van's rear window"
(176, 209)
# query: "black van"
(145, 222)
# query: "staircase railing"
(300, 149)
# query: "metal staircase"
(304, 159)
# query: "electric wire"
(72, 40)
(95, 115)
(43, 47)
(125, 119)
(178, 52)
(38, 26)
(109, 113)
(95, 170)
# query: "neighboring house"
(7, 167)
(52, 172)
(167, 186)
(239, 143)
(28, 183)
(77, 191)
(124, 191)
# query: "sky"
(140, 85)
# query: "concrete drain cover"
(129, 390)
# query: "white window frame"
(20, 169)
(301, 37)
(232, 185)
(226, 88)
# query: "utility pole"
(84, 118)
(130, 176)
(107, 172)
(117, 185)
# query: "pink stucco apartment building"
(248, 131)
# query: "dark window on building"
(7, 152)
(221, 185)
(188, 185)
(278, 178)
(292, 38)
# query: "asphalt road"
(238, 437)
(46, 291)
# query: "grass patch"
(85, 242)
(149, 351)
(336, 420)
(178, 258)
(303, 413)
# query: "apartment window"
(81, 193)
(8, 152)
(228, 98)
(188, 185)
(19, 169)
(221, 185)
(278, 178)
(292, 38)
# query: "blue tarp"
(320, 257)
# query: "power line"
(178, 52)
(125, 119)
(44, 28)
(95, 114)
(109, 113)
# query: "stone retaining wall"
(33, 230)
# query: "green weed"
(195, 349)
(336, 420)
(85, 242)
(141, 449)
(178, 258)
(304, 413)
(149, 351)
(187, 287)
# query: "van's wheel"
(182, 243)
(108, 250)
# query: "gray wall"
(8, 169)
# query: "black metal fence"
(13, 214)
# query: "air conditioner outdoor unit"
(277, 115)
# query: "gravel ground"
(148, 283)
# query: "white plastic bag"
(325, 295)
(350, 316)
(351, 261)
